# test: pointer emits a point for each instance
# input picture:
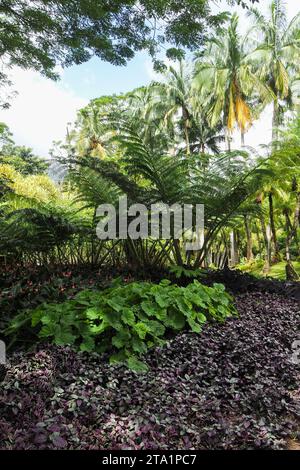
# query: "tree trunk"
(297, 213)
(273, 229)
(258, 238)
(228, 140)
(187, 139)
(275, 121)
(177, 252)
(186, 120)
(267, 244)
(242, 138)
(234, 254)
(249, 238)
(291, 274)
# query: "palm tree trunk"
(186, 117)
(275, 121)
(249, 238)
(297, 213)
(258, 238)
(273, 228)
(187, 138)
(228, 140)
(266, 242)
(242, 138)
(234, 249)
(291, 274)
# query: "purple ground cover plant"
(231, 387)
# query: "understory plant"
(127, 320)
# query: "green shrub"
(129, 319)
(180, 271)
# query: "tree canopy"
(41, 34)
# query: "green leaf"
(118, 357)
(219, 287)
(195, 327)
(48, 330)
(201, 318)
(121, 339)
(113, 319)
(196, 299)
(36, 316)
(136, 365)
(141, 329)
(98, 329)
(93, 313)
(47, 319)
(117, 303)
(138, 345)
(149, 307)
(175, 320)
(165, 283)
(88, 344)
(184, 305)
(155, 327)
(64, 337)
(163, 300)
(128, 316)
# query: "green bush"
(129, 319)
(180, 271)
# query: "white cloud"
(40, 112)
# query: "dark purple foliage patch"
(231, 387)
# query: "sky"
(42, 109)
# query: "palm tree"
(224, 76)
(89, 139)
(175, 99)
(276, 55)
(205, 138)
(145, 112)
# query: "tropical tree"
(225, 78)
(276, 55)
(173, 99)
(145, 112)
(205, 138)
(42, 34)
(88, 138)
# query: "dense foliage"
(130, 318)
(172, 142)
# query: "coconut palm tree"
(89, 138)
(205, 138)
(174, 101)
(145, 112)
(276, 55)
(224, 76)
